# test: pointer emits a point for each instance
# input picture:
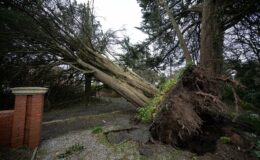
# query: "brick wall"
(27, 120)
(22, 126)
(6, 122)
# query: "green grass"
(145, 114)
(97, 130)
(194, 157)
(76, 148)
(225, 140)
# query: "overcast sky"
(118, 14)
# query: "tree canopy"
(231, 18)
(68, 32)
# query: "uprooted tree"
(59, 29)
(196, 98)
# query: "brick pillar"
(6, 121)
(29, 102)
(18, 121)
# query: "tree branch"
(178, 32)
(196, 8)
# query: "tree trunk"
(88, 90)
(212, 35)
(183, 44)
(125, 82)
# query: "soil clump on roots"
(191, 113)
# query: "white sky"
(119, 14)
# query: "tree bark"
(88, 91)
(212, 35)
(124, 81)
(128, 84)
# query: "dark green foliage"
(140, 60)
(32, 69)
(246, 105)
(249, 76)
(257, 149)
(239, 18)
(29, 55)
(162, 37)
(227, 92)
(252, 119)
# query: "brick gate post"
(29, 102)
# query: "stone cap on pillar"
(29, 90)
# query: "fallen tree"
(181, 112)
(66, 30)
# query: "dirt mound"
(193, 102)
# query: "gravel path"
(93, 150)
(96, 147)
(112, 111)
(71, 126)
(106, 105)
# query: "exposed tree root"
(181, 114)
(234, 84)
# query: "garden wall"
(22, 126)
(6, 123)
